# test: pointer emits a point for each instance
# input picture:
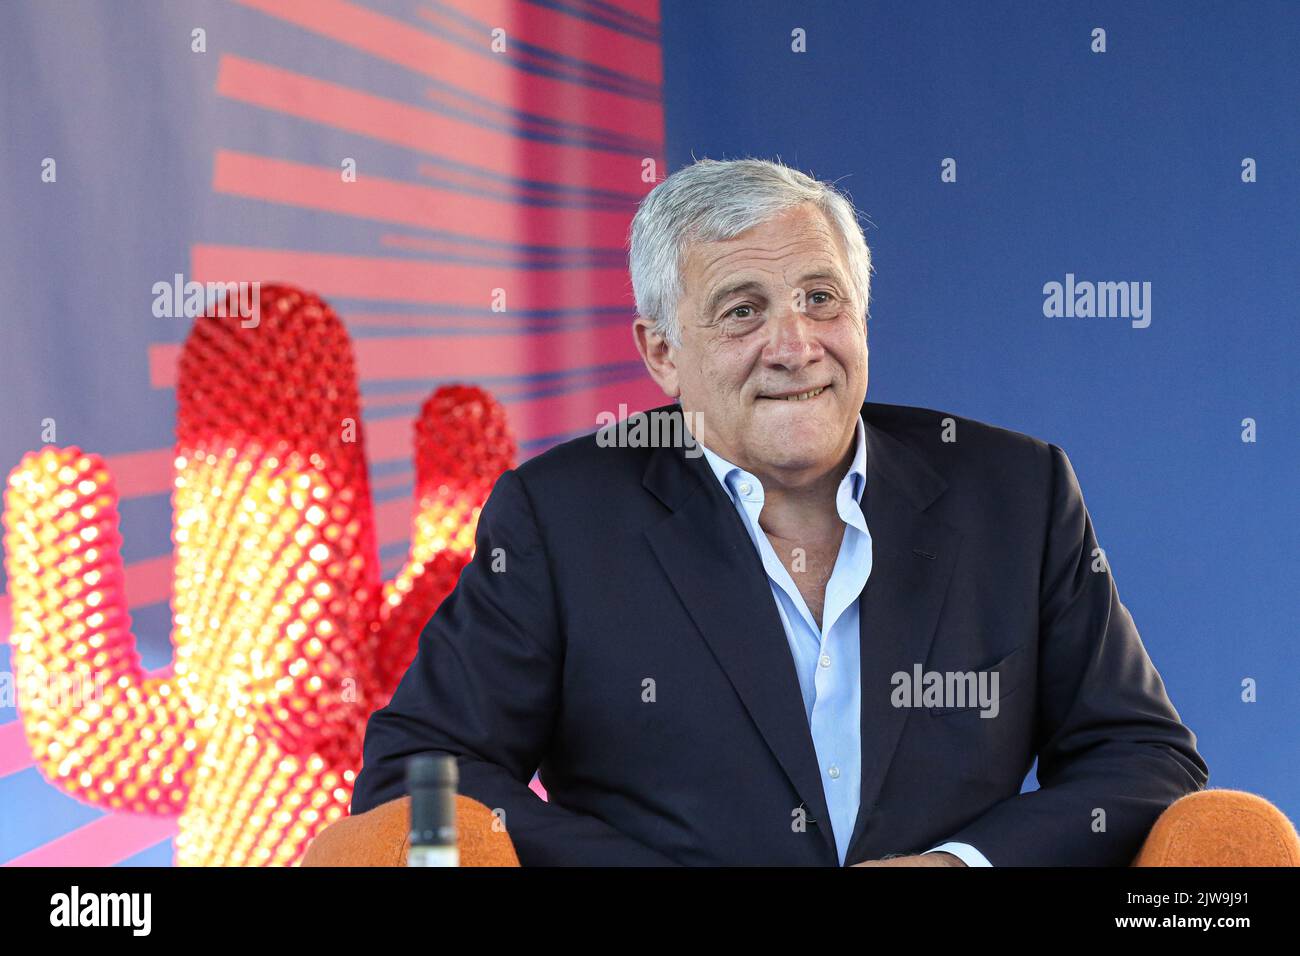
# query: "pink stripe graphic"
(430, 132)
(388, 279)
(103, 842)
(479, 73)
(647, 10)
(467, 358)
(579, 39)
(410, 204)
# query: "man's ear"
(658, 355)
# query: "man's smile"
(797, 396)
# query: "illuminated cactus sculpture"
(285, 638)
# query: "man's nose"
(792, 340)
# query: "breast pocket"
(984, 693)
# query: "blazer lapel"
(711, 563)
(913, 555)
(709, 558)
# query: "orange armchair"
(1205, 828)
(381, 837)
(1221, 828)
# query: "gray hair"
(712, 200)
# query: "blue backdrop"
(1117, 166)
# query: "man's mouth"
(797, 396)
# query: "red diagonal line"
(462, 357)
(483, 74)
(558, 32)
(148, 581)
(106, 841)
(444, 246)
(519, 390)
(523, 129)
(425, 320)
(495, 151)
(647, 10)
(399, 279)
(411, 204)
(142, 472)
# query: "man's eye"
(741, 312)
(826, 297)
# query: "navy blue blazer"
(627, 646)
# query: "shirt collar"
(730, 475)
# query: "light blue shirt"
(826, 658)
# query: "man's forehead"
(804, 224)
(792, 254)
(794, 264)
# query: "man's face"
(767, 315)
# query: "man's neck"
(804, 510)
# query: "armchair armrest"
(1221, 828)
(1206, 828)
(380, 837)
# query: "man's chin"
(800, 422)
(796, 441)
(790, 458)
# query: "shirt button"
(834, 772)
(825, 661)
(746, 487)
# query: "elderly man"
(814, 631)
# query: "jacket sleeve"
(485, 687)
(1112, 751)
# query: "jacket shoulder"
(944, 439)
(591, 462)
